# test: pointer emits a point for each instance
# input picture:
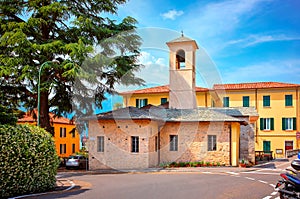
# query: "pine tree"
(92, 54)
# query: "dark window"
(135, 144)
(62, 132)
(266, 101)
(245, 101)
(225, 101)
(173, 142)
(266, 123)
(100, 147)
(163, 100)
(63, 148)
(141, 102)
(288, 100)
(180, 59)
(73, 148)
(289, 123)
(212, 143)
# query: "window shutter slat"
(272, 123)
(283, 124)
(261, 123)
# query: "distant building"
(67, 139)
(182, 126)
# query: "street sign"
(298, 135)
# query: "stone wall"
(192, 142)
(247, 148)
(117, 144)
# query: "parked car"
(76, 161)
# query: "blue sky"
(239, 40)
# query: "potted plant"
(243, 163)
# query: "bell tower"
(182, 73)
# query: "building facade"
(183, 128)
(66, 138)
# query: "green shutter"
(266, 100)
(245, 101)
(261, 123)
(146, 102)
(137, 103)
(294, 123)
(272, 123)
(288, 100)
(283, 124)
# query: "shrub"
(28, 160)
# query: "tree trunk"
(44, 113)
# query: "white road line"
(267, 197)
(232, 173)
(250, 178)
(277, 197)
(272, 185)
(72, 185)
(263, 173)
(262, 181)
(274, 193)
(206, 172)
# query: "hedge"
(28, 160)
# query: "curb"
(72, 185)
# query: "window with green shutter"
(245, 101)
(141, 102)
(266, 123)
(163, 100)
(289, 123)
(225, 101)
(288, 100)
(266, 101)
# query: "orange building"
(67, 140)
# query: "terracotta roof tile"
(158, 89)
(254, 85)
(32, 117)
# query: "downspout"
(297, 113)
(158, 145)
(230, 141)
(256, 107)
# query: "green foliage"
(7, 116)
(28, 160)
(94, 53)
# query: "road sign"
(298, 135)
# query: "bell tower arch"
(182, 73)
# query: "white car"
(76, 161)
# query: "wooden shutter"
(272, 123)
(261, 123)
(294, 123)
(283, 124)
(137, 103)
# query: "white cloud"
(285, 70)
(253, 40)
(172, 14)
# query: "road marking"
(274, 193)
(232, 173)
(249, 178)
(267, 197)
(72, 185)
(206, 172)
(272, 185)
(262, 181)
(263, 173)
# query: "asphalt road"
(172, 185)
(218, 183)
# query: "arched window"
(180, 59)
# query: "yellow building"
(276, 103)
(65, 137)
(278, 107)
